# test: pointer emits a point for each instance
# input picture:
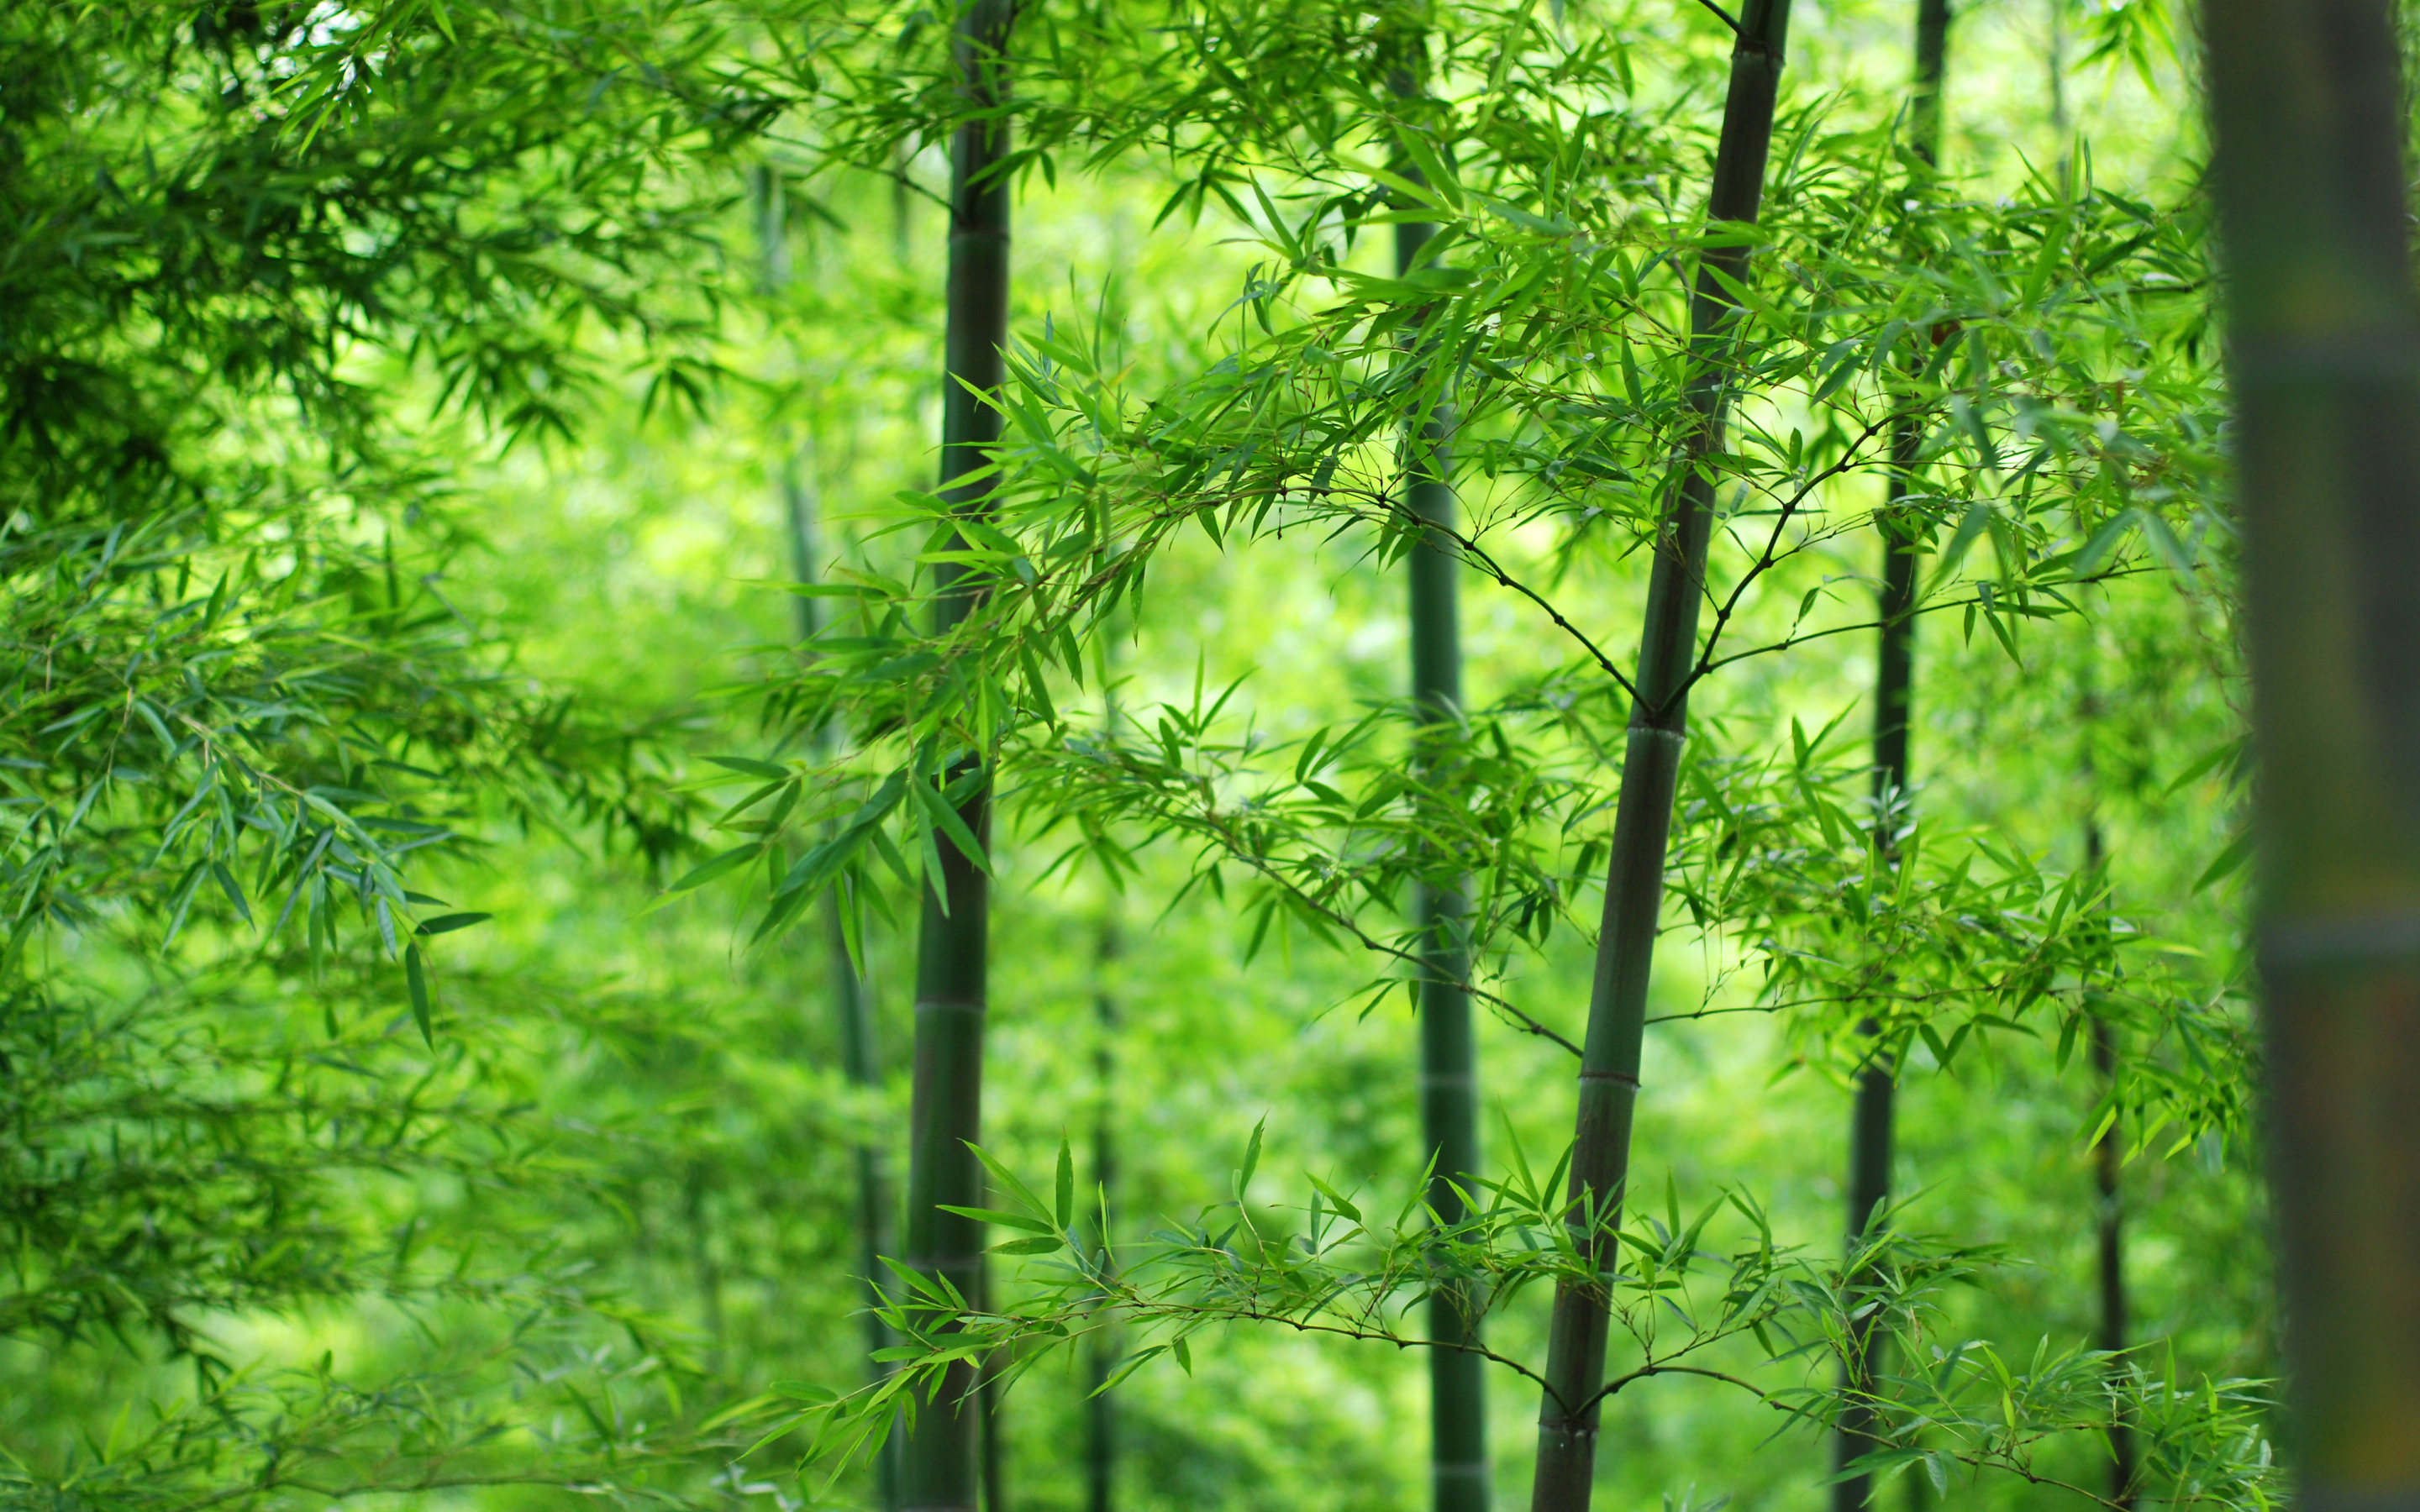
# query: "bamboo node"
(2378, 937)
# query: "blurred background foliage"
(400, 431)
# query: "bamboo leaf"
(1971, 527)
(750, 767)
(416, 981)
(448, 923)
(723, 865)
(2228, 860)
(946, 817)
(1336, 1199)
(1016, 1189)
(234, 893)
(993, 1216)
(1065, 1209)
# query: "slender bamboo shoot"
(1633, 893)
(1448, 1064)
(940, 1465)
(1870, 1121)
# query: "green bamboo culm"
(1651, 769)
(851, 994)
(1101, 1407)
(2108, 1166)
(2108, 1157)
(1872, 1118)
(1458, 1470)
(2324, 352)
(1448, 1061)
(2108, 1153)
(1101, 1446)
(993, 1430)
(852, 1002)
(940, 1463)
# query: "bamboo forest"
(1184, 755)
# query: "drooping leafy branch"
(1763, 1317)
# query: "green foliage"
(392, 439)
(265, 267)
(1679, 1301)
(1876, 935)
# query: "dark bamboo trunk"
(940, 1463)
(699, 1223)
(2109, 1163)
(903, 203)
(994, 1429)
(1100, 1407)
(2108, 1160)
(1870, 1120)
(1458, 1468)
(1101, 1460)
(2108, 1155)
(1449, 1065)
(852, 998)
(1871, 1117)
(1634, 892)
(2324, 355)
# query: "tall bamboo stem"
(852, 1000)
(1101, 1463)
(2108, 1153)
(2324, 356)
(939, 1469)
(993, 1433)
(2065, 157)
(1458, 1468)
(852, 997)
(1634, 891)
(1871, 1122)
(1101, 1407)
(2108, 1163)
(2108, 1159)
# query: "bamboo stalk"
(1458, 1466)
(1633, 893)
(1870, 1164)
(2108, 1153)
(852, 996)
(2324, 357)
(993, 1431)
(939, 1469)
(1101, 1445)
(2108, 1157)
(1458, 1469)
(1101, 1415)
(1871, 1121)
(852, 1000)
(2108, 1161)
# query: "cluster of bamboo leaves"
(1678, 1296)
(265, 267)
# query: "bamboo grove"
(1175, 754)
